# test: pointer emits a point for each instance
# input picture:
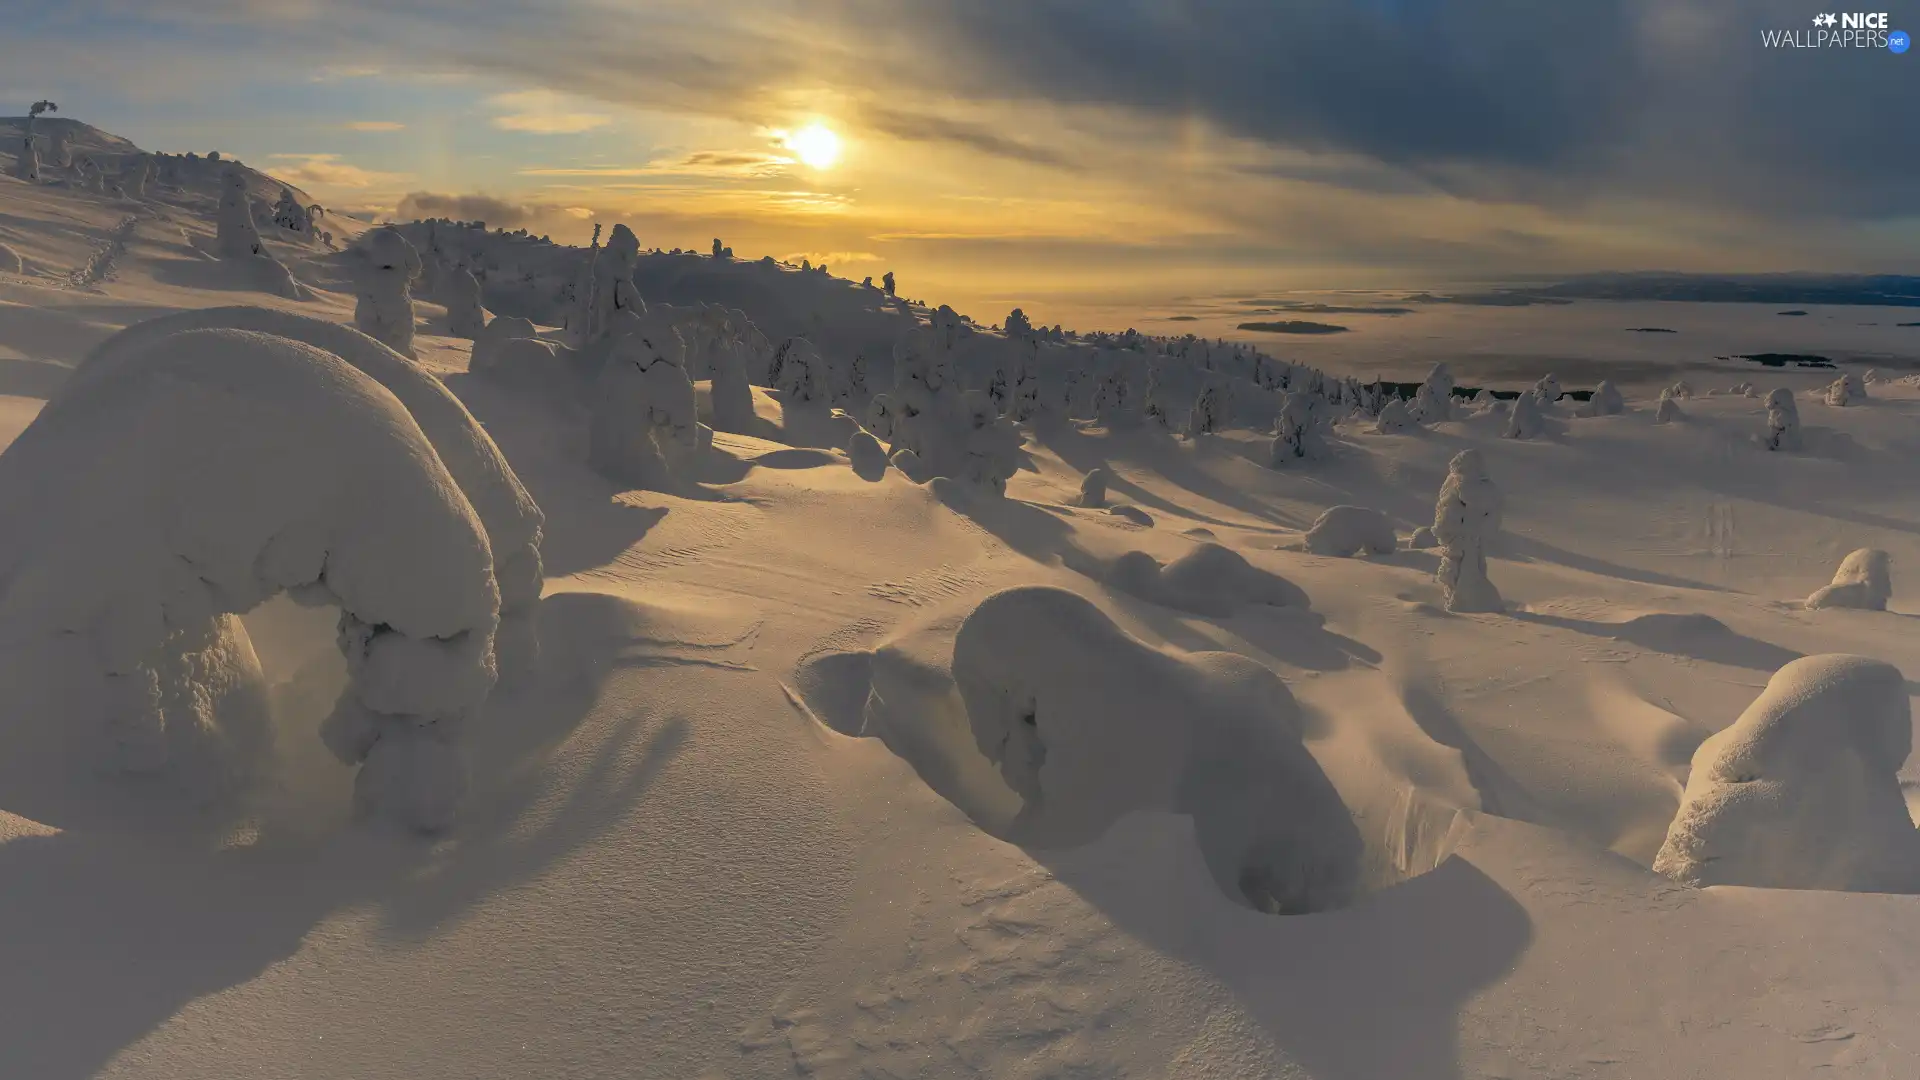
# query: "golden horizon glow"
(815, 145)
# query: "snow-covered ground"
(776, 798)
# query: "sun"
(815, 145)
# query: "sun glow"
(815, 145)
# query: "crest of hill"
(110, 149)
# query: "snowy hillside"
(435, 652)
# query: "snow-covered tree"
(1157, 410)
(997, 390)
(1846, 390)
(27, 165)
(325, 486)
(798, 372)
(238, 237)
(1668, 410)
(1018, 325)
(1465, 519)
(1394, 419)
(731, 395)
(881, 413)
(1783, 421)
(1606, 401)
(615, 302)
(1526, 421)
(1297, 435)
(1208, 414)
(1680, 391)
(1803, 790)
(384, 270)
(137, 174)
(289, 214)
(992, 445)
(1864, 581)
(886, 282)
(1093, 488)
(1433, 401)
(642, 426)
(1547, 391)
(466, 315)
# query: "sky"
(1044, 152)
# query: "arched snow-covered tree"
(1864, 581)
(118, 600)
(643, 428)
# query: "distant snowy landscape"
(429, 650)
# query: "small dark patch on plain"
(1294, 326)
(1907, 324)
(1183, 318)
(1772, 359)
(1650, 330)
(1790, 313)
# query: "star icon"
(1828, 19)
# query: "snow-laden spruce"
(26, 165)
(1465, 519)
(991, 445)
(384, 266)
(1298, 436)
(1606, 401)
(1526, 420)
(1547, 391)
(1783, 421)
(1394, 419)
(466, 315)
(261, 465)
(642, 425)
(1668, 409)
(1803, 790)
(238, 237)
(1208, 414)
(1087, 724)
(613, 303)
(1864, 581)
(1346, 531)
(1433, 401)
(731, 395)
(514, 524)
(492, 338)
(1848, 389)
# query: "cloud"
(497, 212)
(328, 171)
(543, 112)
(737, 164)
(830, 258)
(925, 127)
(374, 125)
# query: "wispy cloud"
(374, 125)
(543, 112)
(328, 171)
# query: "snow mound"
(1093, 488)
(1087, 724)
(1526, 421)
(1802, 792)
(488, 343)
(1349, 530)
(868, 457)
(10, 261)
(1132, 513)
(1864, 580)
(513, 522)
(200, 475)
(1211, 580)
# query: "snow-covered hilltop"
(428, 650)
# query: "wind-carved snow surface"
(1211, 579)
(514, 523)
(1802, 791)
(1864, 581)
(1088, 724)
(200, 474)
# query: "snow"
(643, 429)
(1863, 581)
(383, 306)
(1526, 420)
(319, 479)
(1802, 791)
(736, 822)
(1349, 530)
(1465, 520)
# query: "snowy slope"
(689, 853)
